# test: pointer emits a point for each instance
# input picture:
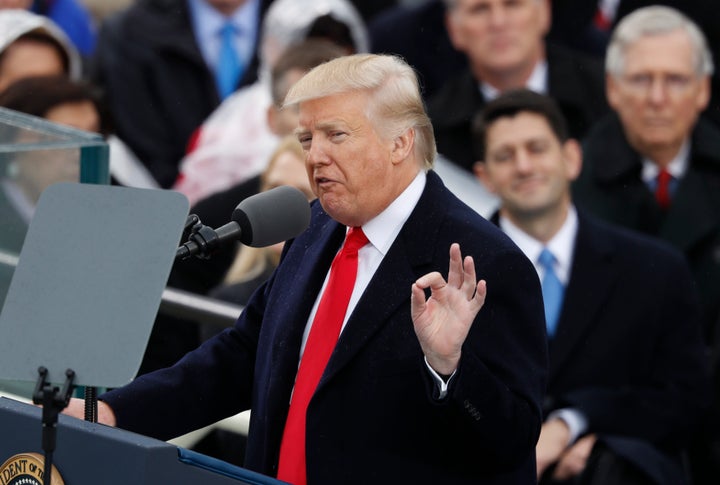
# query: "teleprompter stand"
(53, 400)
(85, 293)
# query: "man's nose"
(658, 90)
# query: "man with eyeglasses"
(654, 165)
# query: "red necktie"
(324, 333)
(662, 192)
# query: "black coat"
(158, 87)
(610, 187)
(373, 417)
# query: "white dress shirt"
(537, 82)
(562, 246)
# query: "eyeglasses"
(673, 84)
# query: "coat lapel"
(691, 216)
(591, 280)
(390, 287)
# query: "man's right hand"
(554, 439)
(76, 409)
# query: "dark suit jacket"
(611, 188)
(373, 418)
(628, 351)
(575, 82)
(158, 86)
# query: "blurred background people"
(654, 164)
(32, 45)
(416, 31)
(252, 266)
(72, 16)
(505, 47)
(163, 67)
(628, 381)
(234, 143)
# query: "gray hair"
(395, 101)
(656, 20)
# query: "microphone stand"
(53, 401)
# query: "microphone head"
(273, 216)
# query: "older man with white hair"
(654, 165)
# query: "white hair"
(656, 20)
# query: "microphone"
(267, 218)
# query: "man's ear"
(403, 145)
(272, 114)
(612, 91)
(480, 171)
(572, 151)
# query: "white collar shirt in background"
(537, 82)
(562, 245)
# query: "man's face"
(527, 166)
(28, 58)
(659, 96)
(226, 7)
(499, 35)
(354, 172)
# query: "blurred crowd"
(189, 95)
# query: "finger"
(480, 294)
(469, 281)
(433, 280)
(455, 270)
(417, 301)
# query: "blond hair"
(395, 102)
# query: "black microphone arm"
(267, 218)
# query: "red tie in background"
(662, 192)
(324, 333)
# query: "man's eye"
(337, 135)
(502, 156)
(305, 141)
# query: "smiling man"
(627, 376)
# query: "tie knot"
(547, 259)
(227, 31)
(664, 176)
(355, 239)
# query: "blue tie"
(553, 291)
(229, 69)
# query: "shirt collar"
(207, 22)
(537, 82)
(382, 230)
(677, 167)
(562, 244)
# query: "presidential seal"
(27, 469)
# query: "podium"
(82, 300)
(92, 453)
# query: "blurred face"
(659, 96)
(81, 115)
(527, 166)
(500, 35)
(284, 121)
(23, 4)
(39, 169)
(27, 58)
(354, 172)
(287, 169)
(225, 7)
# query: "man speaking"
(376, 353)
